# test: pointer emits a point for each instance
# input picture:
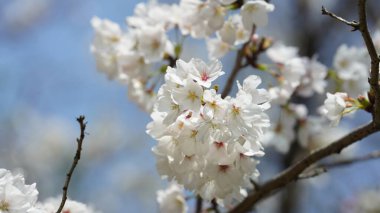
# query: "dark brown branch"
(65, 188)
(291, 174)
(353, 24)
(255, 184)
(374, 94)
(322, 168)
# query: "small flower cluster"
(140, 55)
(351, 66)
(127, 56)
(303, 77)
(282, 134)
(17, 197)
(206, 142)
(296, 75)
(172, 200)
(238, 27)
(201, 19)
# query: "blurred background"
(48, 78)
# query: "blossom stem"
(323, 168)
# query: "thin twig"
(322, 168)
(353, 24)
(291, 174)
(65, 188)
(370, 156)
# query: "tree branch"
(291, 174)
(353, 24)
(65, 188)
(374, 94)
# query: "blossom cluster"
(138, 56)
(303, 78)
(206, 142)
(351, 67)
(18, 197)
(296, 75)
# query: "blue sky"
(46, 67)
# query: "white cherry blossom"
(15, 195)
(152, 43)
(189, 96)
(50, 206)
(172, 199)
(352, 66)
(280, 53)
(255, 13)
(282, 134)
(334, 106)
(314, 78)
(204, 74)
(217, 48)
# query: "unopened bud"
(216, 87)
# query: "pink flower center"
(223, 168)
(219, 144)
(204, 76)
